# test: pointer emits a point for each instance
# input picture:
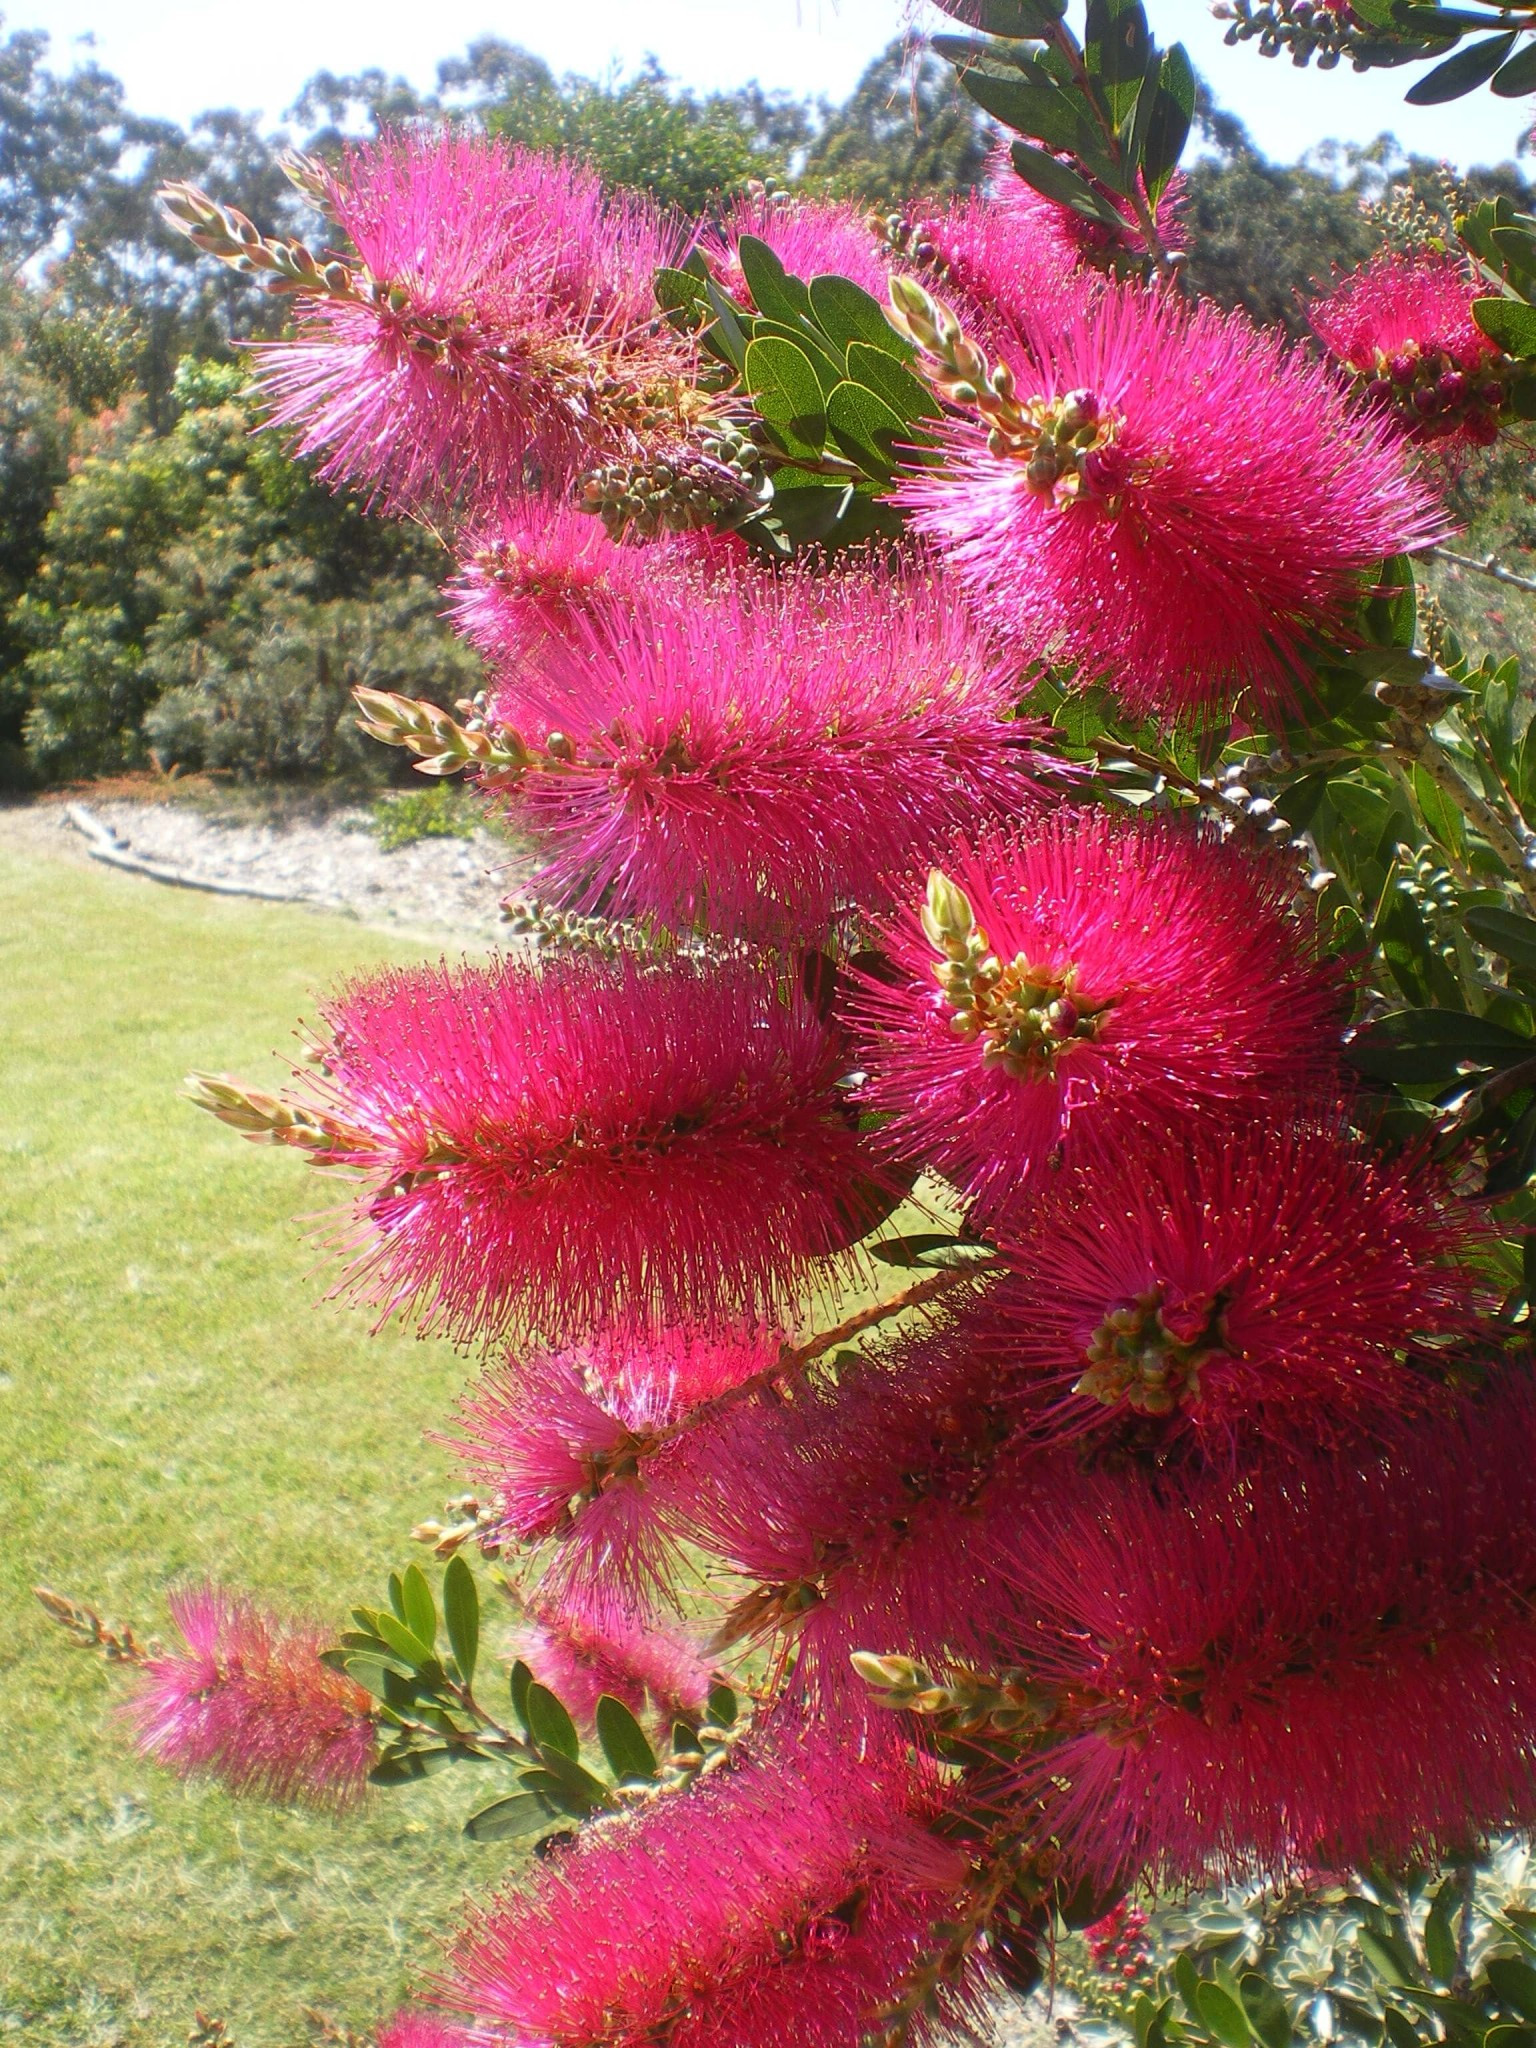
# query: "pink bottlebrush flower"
(1242, 1277)
(1142, 974)
(420, 2030)
(1071, 235)
(1323, 1660)
(849, 1511)
(503, 319)
(579, 1659)
(526, 576)
(810, 237)
(250, 1703)
(1184, 510)
(1404, 325)
(564, 1443)
(1004, 271)
(755, 754)
(781, 1899)
(553, 1150)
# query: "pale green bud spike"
(947, 917)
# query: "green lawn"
(175, 1399)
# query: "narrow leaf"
(1518, 77)
(1168, 125)
(420, 1615)
(845, 313)
(867, 430)
(894, 382)
(1463, 73)
(1060, 182)
(775, 294)
(1509, 322)
(520, 1813)
(549, 1724)
(461, 1616)
(1223, 2015)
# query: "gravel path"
(334, 862)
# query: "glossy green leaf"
(1046, 112)
(408, 1766)
(405, 1643)
(1509, 322)
(1116, 45)
(1188, 1979)
(1401, 2031)
(908, 1251)
(420, 1615)
(681, 292)
(1392, 610)
(722, 1706)
(461, 1616)
(1428, 1046)
(1223, 2015)
(1266, 2010)
(1505, 932)
(845, 313)
(775, 294)
(630, 1755)
(1168, 126)
(520, 1683)
(504, 1820)
(867, 430)
(1515, 1984)
(787, 392)
(894, 382)
(584, 1793)
(1006, 17)
(1060, 182)
(1512, 81)
(549, 1724)
(1463, 73)
(1386, 1956)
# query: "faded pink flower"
(810, 237)
(1326, 1659)
(1404, 326)
(1191, 510)
(783, 1899)
(250, 1703)
(1247, 1277)
(421, 2030)
(757, 754)
(560, 1149)
(1144, 975)
(580, 1658)
(511, 326)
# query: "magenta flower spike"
(504, 326)
(1404, 326)
(249, 1702)
(1190, 508)
(556, 1150)
(580, 1658)
(1259, 1279)
(1098, 975)
(784, 1898)
(757, 754)
(1325, 1659)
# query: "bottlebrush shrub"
(249, 1702)
(1092, 975)
(1203, 1487)
(1276, 1278)
(752, 753)
(1093, 518)
(551, 1149)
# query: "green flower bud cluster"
(681, 489)
(1134, 1357)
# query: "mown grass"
(174, 1401)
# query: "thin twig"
(796, 1356)
(1488, 566)
(1413, 743)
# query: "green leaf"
(1223, 2016)
(1504, 932)
(1116, 45)
(1392, 611)
(549, 1724)
(894, 382)
(846, 313)
(1045, 111)
(624, 1743)
(787, 392)
(406, 1766)
(1515, 1984)
(867, 430)
(722, 1706)
(1439, 1935)
(1463, 73)
(908, 1251)
(405, 1643)
(1518, 77)
(1400, 2029)
(520, 1813)
(775, 294)
(1266, 2011)
(461, 1616)
(1060, 182)
(680, 291)
(555, 1795)
(1429, 1045)
(1509, 2036)
(727, 336)
(1386, 1957)
(1509, 322)
(520, 1682)
(1007, 17)
(1444, 820)
(420, 1615)
(1173, 112)
(583, 1792)
(1187, 1977)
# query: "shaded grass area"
(174, 1401)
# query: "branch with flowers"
(1006, 817)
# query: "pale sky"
(177, 57)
